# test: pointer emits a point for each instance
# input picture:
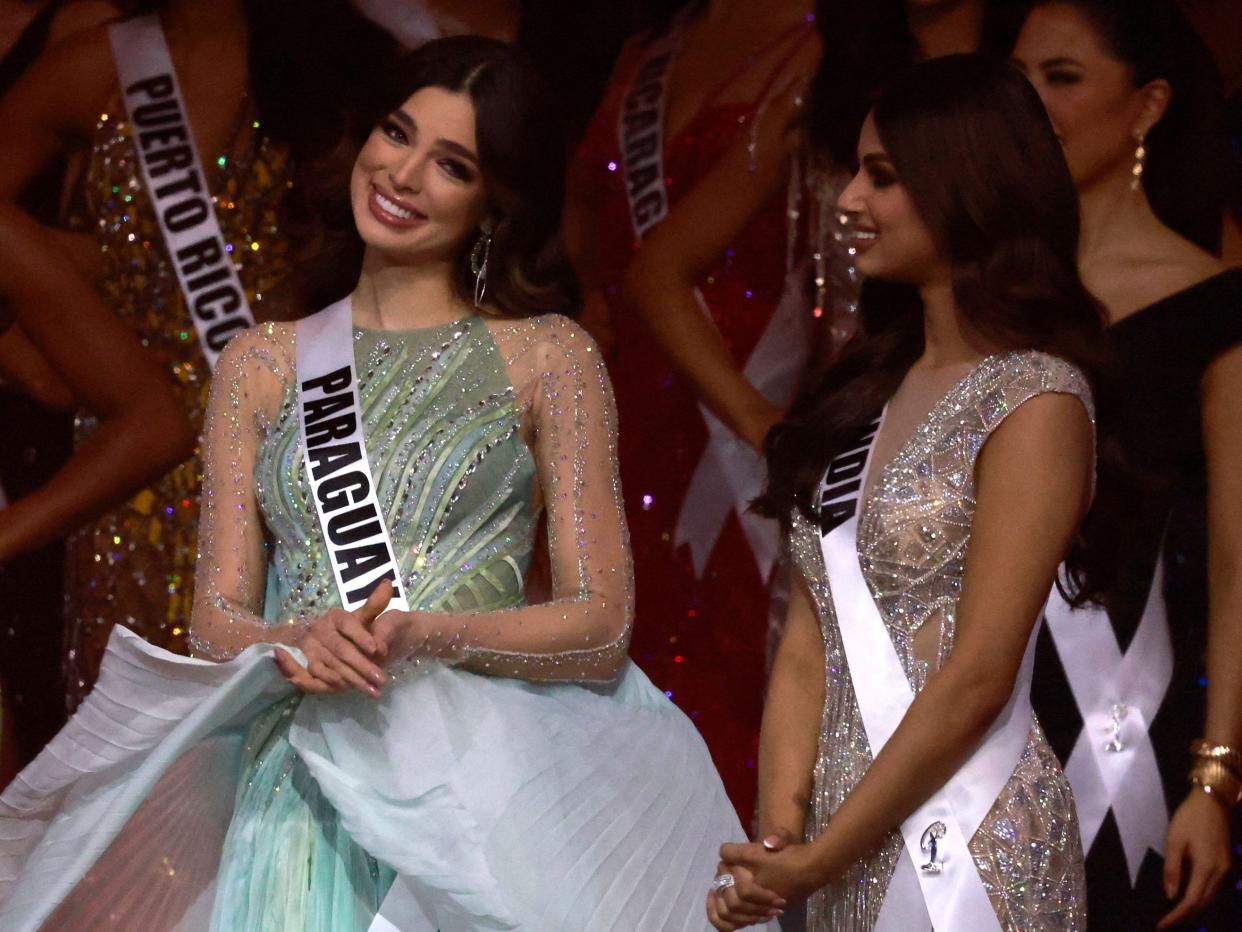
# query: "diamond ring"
(723, 882)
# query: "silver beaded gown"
(533, 779)
(913, 534)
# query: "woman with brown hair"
(933, 483)
(391, 734)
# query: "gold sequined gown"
(913, 534)
(135, 564)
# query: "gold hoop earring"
(1140, 164)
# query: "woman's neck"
(392, 296)
(946, 29)
(1112, 215)
(946, 341)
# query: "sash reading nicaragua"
(936, 879)
(173, 174)
(337, 469)
(730, 474)
(642, 135)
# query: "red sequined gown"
(701, 639)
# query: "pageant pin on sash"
(335, 454)
(173, 175)
(936, 882)
(1113, 763)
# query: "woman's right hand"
(338, 647)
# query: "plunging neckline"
(867, 490)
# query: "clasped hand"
(765, 878)
(349, 649)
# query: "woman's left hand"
(1196, 852)
(791, 872)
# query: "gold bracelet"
(1202, 748)
(1217, 780)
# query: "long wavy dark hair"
(971, 142)
(521, 161)
(1188, 175)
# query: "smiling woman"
(380, 731)
(931, 484)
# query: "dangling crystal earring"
(478, 265)
(1140, 162)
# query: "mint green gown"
(521, 773)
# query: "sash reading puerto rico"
(176, 184)
(334, 451)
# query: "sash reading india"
(335, 454)
(173, 174)
(935, 882)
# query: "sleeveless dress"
(1158, 513)
(703, 602)
(913, 535)
(135, 564)
(538, 783)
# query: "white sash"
(173, 174)
(334, 451)
(730, 474)
(1113, 764)
(937, 834)
(641, 134)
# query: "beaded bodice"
(913, 537)
(453, 476)
(473, 429)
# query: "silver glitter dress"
(914, 532)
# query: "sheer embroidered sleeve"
(231, 574)
(582, 633)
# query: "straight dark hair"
(971, 142)
(521, 161)
(1188, 176)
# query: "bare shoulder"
(73, 80)
(79, 15)
(1156, 268)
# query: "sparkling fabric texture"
(703, 636)
(914, 533)
(471, 431)
(473, 428)
(135, 564)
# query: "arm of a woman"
(143, 430)
(583, 633)
(52, 107)
(230, 578)
(789, 738)
(1033, 486)
(1197, 851)
(660, 280)
(47, 112)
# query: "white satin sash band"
(936, 835)
(173, 175)
(334, 451)
(1113, 764)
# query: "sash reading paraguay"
(334, 451)
(173, 174)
